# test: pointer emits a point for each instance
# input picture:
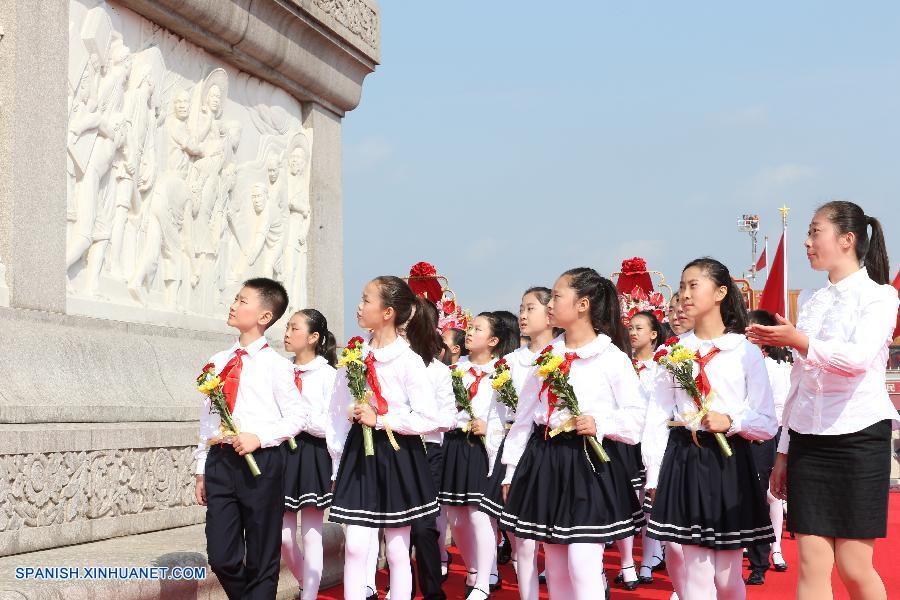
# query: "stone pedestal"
(153, 154)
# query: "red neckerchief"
(473, 387)
(552, 399)
(638, 365)
(702, 379)
(381, 405)
(297, 380)
(231, 376)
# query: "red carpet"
(778, 585)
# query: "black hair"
(764, 317)
(272, 295)
(733, 309)
(446, 355)
(411, 312)
(316, 323)
(543, 294)
(871, 251)
(666, 331)
(606, 313)
(509, 332)
(437, 342)
(655, 325)
(459, 339)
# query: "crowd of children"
(566, 429)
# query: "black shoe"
(756, 578)
(478, 591)
(658, 566)
(542, 577)
(645, 579)
(780, 567)
(496, 585)
(628, 585)
(469, 588)
(504, 551)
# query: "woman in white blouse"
(834, 455)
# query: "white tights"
(306, 567)
(675, 566)
(776, 513)
(357, 550)
(574, 571)
(474, 536)
(526, 567)
(712, 574)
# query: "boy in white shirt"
(244, 513)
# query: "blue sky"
(508, 141)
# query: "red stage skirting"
(778, 585)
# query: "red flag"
(761, 263)
(896, 284)
(773, 294)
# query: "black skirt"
(391, 489)
(707, 499)
(838, 485)
(562, 493)
(465, 469)
(307, 474)
(492, 500)
(630, 456)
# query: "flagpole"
(766, 251)
(784, 210)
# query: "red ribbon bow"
(702, 379)
(473, 387)
(552, 399)
(381, 405)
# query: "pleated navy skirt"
(307, 474)
(838, 485)
(707, 499)
(492, 500)
(391, 489)
(629, 455)
(465, 469)
(562, 493)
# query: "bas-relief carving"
(185, 176)
(39, 490)
(358, 17)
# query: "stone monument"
(153, 155)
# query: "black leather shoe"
(756, 578)
(628, 585)
(645, 579)
(495, 585)
(542, 577)
(782, 566)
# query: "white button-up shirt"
(412, 405)
(839, 386)
(481, 403)
(521, 367)
(737, 375)
(442, 384)
(267, 405)
(606, 386)
(780, 380)
(318, 384)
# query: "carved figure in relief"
(111, 130)
(298, 222)
(273, 253)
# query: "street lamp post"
(750, 224)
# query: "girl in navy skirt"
(307, 473)
(534, 323)
(466, 458)
(835, 449)
(709, 502)
(392, 487)
(561, 493)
